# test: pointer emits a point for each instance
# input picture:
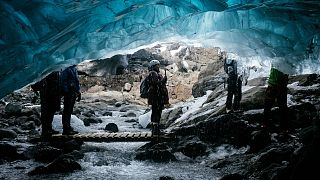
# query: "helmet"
(154, 62)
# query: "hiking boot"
(70, 132)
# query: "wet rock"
(21, 120)
(233, 177)
(223, 129)
(9, 152)
(192, 147)
(17, 130)
(156, 153)
(111, 127)
(35, 119)
(259, 140)
(130, 114)
(7, 134)
(67, 146)
(107, 113)
(28, 125)
(166, 178)
(43, 153)
(118, 104)
(13, 109)
(131, 121)
(63, 164)
(89, 113)
(88, 121)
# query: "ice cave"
(40, 35)
(191, 128)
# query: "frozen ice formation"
(39, 36)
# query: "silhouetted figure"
(50, 99)
(157, 94)
(71, 93)
(276, 91)
(234, 84)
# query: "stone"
(7, 134)
(111, 127)
(127, 87)
(13, 109)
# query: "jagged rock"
(259, 140)
(62, 164)
(168, 117)
(7, 134)
(21, 120)
(192, 146)
(28, 125)
(260, 81)
(43, 153)
(253, 98)
(13, 109)
(222, 129)
(155, 152)
(111, 127)
(205, 84)
(67, 146)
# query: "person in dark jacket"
(276, 90)
(234, 83)
(71, 93)
(50, 100)
(157, 94)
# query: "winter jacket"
(158, 92)
(69, 80)
(277, 78)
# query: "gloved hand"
(78, 94)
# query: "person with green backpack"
(276, 91)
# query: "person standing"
(157, 94)
(234, 84)
(71, 94)
(276, 90)
(50, 100)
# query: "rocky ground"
(199, 125)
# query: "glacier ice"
(39, 36)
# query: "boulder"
(13, 109)
(7, 134)
(111, 127)
(63, 164)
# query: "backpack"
(144, 88)
(230, 65)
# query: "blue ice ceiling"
(37, 36)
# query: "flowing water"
(115, 160)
